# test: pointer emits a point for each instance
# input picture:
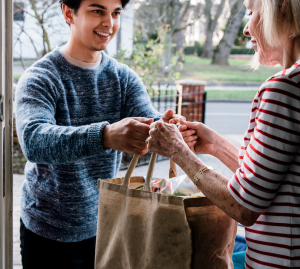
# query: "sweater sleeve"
(137, 102)
(41, 139)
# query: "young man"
(77, 110)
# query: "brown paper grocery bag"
(144, 230)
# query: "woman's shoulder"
(284, 82)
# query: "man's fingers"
(141, 145)
(168, 115)
(141, 136)
(142, 128)
(138, 151)
(188, 133)
(143, 120)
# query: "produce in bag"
(177, 186)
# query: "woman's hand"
(165, 139)
(197, 135)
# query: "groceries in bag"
(177, 186)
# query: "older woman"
(264, 193)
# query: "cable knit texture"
(61, 112)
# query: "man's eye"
(98, 11)
(116, 13)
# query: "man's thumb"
(143, 120)
(168, 115)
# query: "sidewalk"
(161, 170)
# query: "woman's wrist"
(181, 151)
(187, 159)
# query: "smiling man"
(77, 110)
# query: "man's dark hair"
(75, 4)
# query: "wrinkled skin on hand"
(165, 139)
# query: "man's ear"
(68, 14)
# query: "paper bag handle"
(150, 172)
(131, 167)
(126, 181)
(130, 170)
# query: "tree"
(211, 22)
(234, 22)
(241, 39)
(146, 59)
(169, 14)
(44, 14)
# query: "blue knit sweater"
(61, 111)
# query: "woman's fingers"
(191, 144)
(191, 125)
(188, 133)
(182, 128)
(191, 138)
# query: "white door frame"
(6, 139)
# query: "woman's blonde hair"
(278, 16)
(279, 13)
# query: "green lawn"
(237, 71)
(212, 94)
(16, 77)
(25, 62)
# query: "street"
(228, 118)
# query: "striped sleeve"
(274, 143)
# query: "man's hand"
(128, 135)
(170, 117)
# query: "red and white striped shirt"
(268, 180)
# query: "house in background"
(28, 37)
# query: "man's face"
(96, 23)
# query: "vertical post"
(179, 98)
(119, 39)
(192, 103)
(2, 199)
(8, 132)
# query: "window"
(19, 11)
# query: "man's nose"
(108, 22)
(246, 30)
